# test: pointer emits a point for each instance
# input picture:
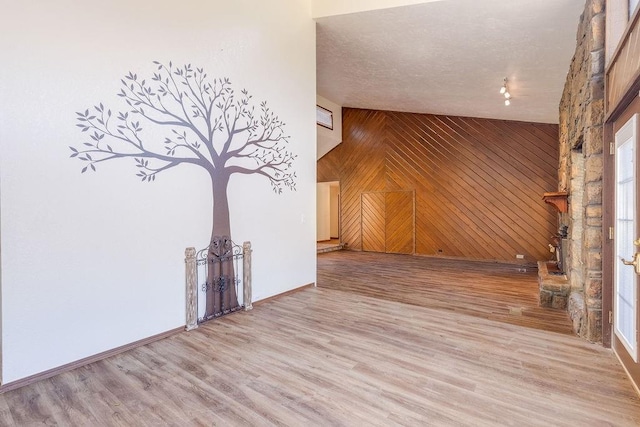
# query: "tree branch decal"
(203, 122)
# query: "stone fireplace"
(559, 245)
(554, 284)
(580, 172)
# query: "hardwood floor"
(328, 245)
(490, 290)
(349, 354)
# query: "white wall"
(329, 138)
(322, 8)
(94, 261)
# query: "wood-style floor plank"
(446, 349)
(490, 290)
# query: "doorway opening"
(328, 213)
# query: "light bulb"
(503, 89)
(507, 102)
(507, 95)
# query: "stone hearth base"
(554, 289)
(577, 313)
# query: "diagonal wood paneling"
(360, 167)
(478, 183)
(373, 222)
(399, 222)
(330, 169)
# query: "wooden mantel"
(559, 199)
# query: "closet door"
(373, 221)
(388, 223)
(399, 222)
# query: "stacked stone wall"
(575, 267)
(581, 134)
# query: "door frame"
(612, 125)
(630, 127)
(329, 185)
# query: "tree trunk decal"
(195, 121)
(220, 295)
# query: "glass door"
(627, 265)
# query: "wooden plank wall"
(478, 183)
(624, 68)
(387, 221)
(399, 222)
(373, 216)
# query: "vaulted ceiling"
(450, 57)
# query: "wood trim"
(515, 263)
(623, 39)
(289, 292)
(87, 360)
(631, 368)
(620, 66)
(630, 94)
(607, 244)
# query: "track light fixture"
(504, 90)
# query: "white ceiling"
(450, 57)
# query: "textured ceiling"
(450, 57)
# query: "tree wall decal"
(195, 121)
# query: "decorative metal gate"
(218, 280)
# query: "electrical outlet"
(519, 256)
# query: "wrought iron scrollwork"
(220, 284)
(220, 265)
